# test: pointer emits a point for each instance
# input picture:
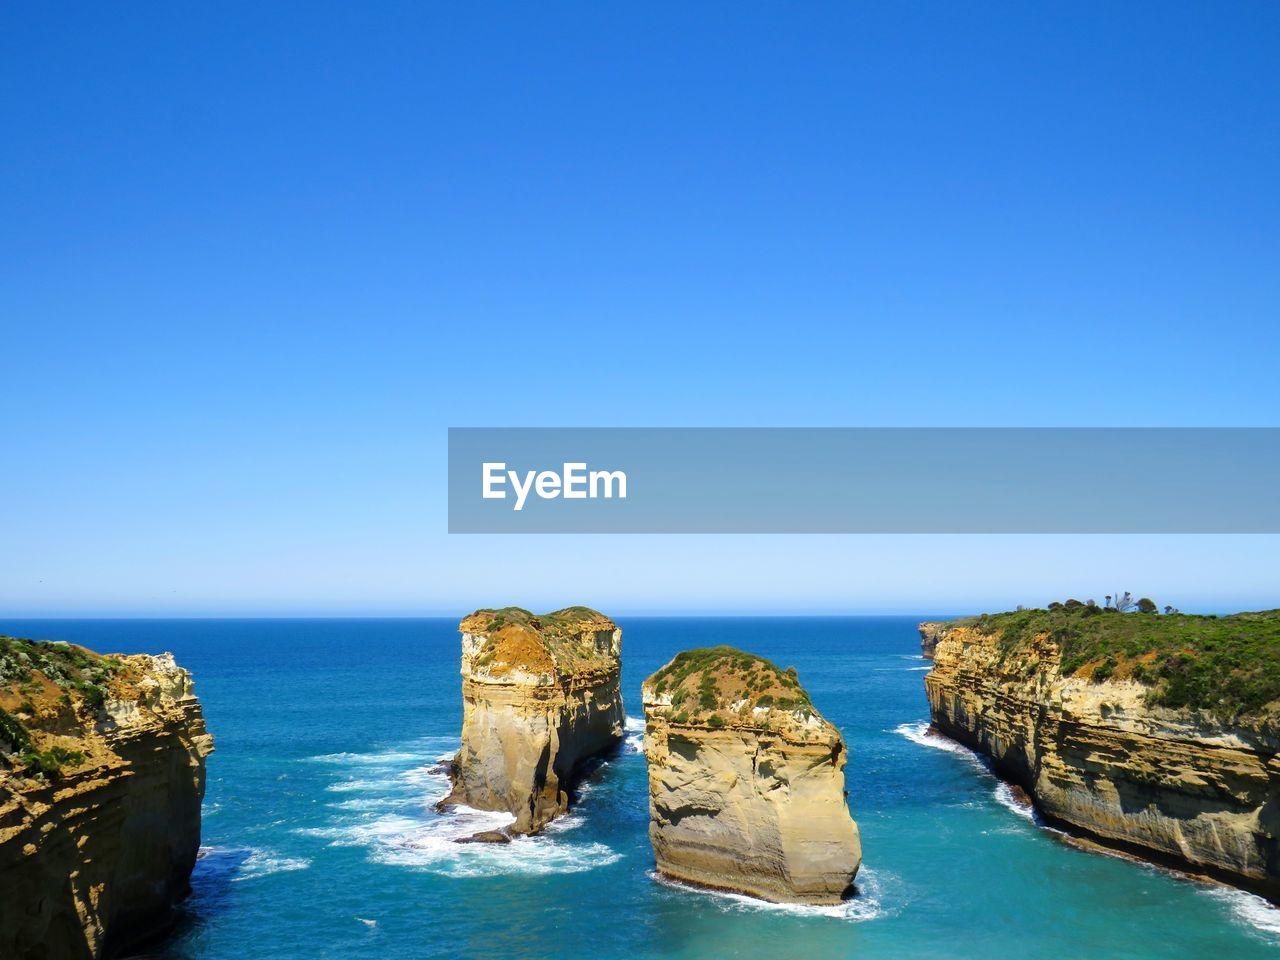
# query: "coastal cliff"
(102, 772)
(746, 781)
(540, 697)
(930, 633)
(1152, 735)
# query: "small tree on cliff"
(1147, 605)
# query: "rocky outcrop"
(746, 781)
(1103, 760)
(540, 698)
(101, 778)
(930, 633)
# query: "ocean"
(321, 841)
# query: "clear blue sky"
(257, 257)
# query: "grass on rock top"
(568, 620)
(561, 641)
(706, 682)
(46, 687)
(1228, 666)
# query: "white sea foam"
(387, 758)
(633, 742)
(369, 803)
(1249, 909)
(351, 786)
(249, 863)
(391, 813)
(866, 905)
(1005, 797)
(924, 735)
(565, 823)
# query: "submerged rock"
(485, 836)
(1088, 738)
(102, 772)
(540, 698)
(746, 781)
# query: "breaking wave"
(633, 741)
(1249, 909)
(923, 734)
(866, 905)
(1006, 798)
(387, 807)
(246, 863)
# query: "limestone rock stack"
(746, 781)
(541, 697)
(1089, 744)
(930, 634)
(102, 772)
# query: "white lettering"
(548, 484)
(521, 491)
(575, 473)
(493, 475)
(574, 482)
(609, 476)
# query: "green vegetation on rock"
(66, 666)
(50, 762)
(563, 641)
(27, 668)
(705, 683)
(13, 735)
(570, 619)
(1229, 666)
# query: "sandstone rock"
(1174, 786)
(930, 634)
(746, 781)
(540, 698)
(485, 836)
(99, 802)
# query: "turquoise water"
(321, 840)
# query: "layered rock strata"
(102, 773)
(541, 698)
(746, 781)
(1100, 758)
(930, 633)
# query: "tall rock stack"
(541, 697)
(102, 773)
(746, 781)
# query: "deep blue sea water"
(321, 841)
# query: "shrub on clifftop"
(1229, 665)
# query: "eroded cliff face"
(746, 781)
(100, 790)
(930, 633)
(1174, 786)
(540, 697)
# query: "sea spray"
(393, 817)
